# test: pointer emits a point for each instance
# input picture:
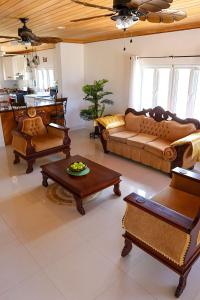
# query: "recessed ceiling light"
(61, 27)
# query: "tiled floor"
(50, 252)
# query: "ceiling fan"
(129, 12)
(26, 36)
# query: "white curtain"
(135, 83)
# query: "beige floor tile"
(125, 289)
(54, 245)
(16, 264)
(83, 273)
(38, 287)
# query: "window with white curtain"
(172, 86)
(44, 79)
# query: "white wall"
(70, 72)
(108, 60)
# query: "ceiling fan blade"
(90, 18)
(4, 42)
(47, 40)
(150, 5)
(164, 16)
(8, 37)
(92, 5)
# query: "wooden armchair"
(32, 139)
(167, 226)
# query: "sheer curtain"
(135, 83)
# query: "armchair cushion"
(180, 201)
(34, 126)
(45, 142)
(140, 140)
(157, 234)
(122, 136)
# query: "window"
(174, 87)
(44, 79)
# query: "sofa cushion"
(122, 136)
(47, 141)
(111, 121)
(157, 147)
(182, 202)
(133, 122)
(140, 140)
(176, 131)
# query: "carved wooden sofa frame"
(183, 223)
(158, 114)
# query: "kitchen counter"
(8, 123)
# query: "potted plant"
(95, 94)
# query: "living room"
(99, 203)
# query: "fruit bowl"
(77, 166)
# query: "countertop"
(32, 102)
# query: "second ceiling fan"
(25, 35)
(129, 12)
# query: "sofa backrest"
(169, 130)
(133, 122)
(176, 131)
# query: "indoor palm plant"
(95, 94)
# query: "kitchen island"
(8, 123)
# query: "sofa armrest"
(187, 174)
(186, 181)
(22, 142)
(60, 131)
(58, 127)
(162, 212)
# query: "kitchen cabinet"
(14, 67)
(8, 69)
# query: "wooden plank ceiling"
(47, 15)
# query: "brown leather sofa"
(148, 136)
(167, 226)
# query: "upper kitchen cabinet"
(14, 67)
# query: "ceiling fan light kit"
(128, 12)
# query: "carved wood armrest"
(187, 174)
(162, 212)
(59, 127)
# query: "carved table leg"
(44, 179)
(116, 189)
(30, 166)
(127, 247)
(79, 205)
(17, 159)
(182, 284)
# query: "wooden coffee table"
(98, 179)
